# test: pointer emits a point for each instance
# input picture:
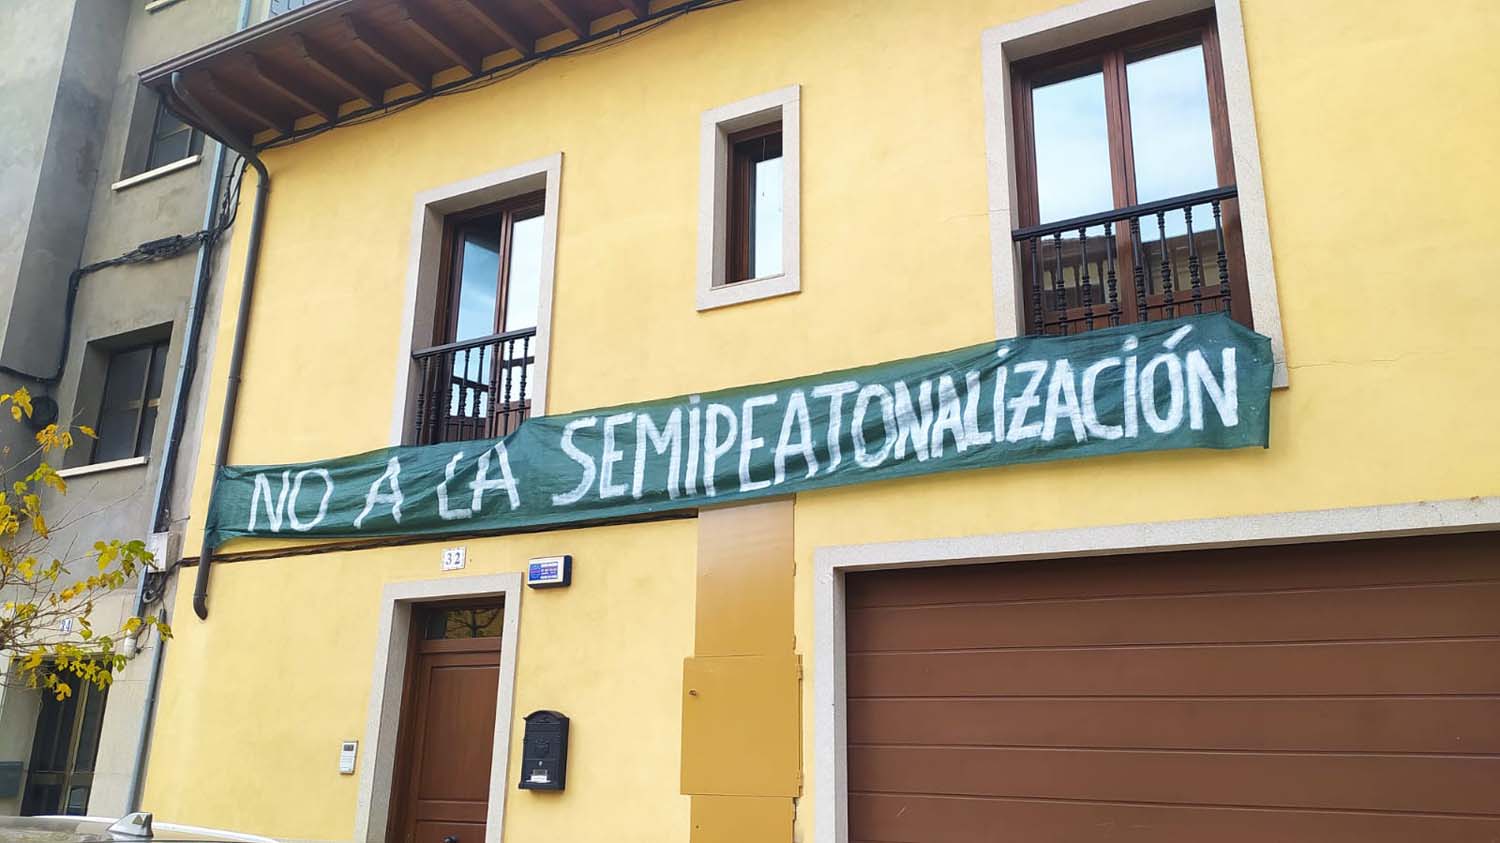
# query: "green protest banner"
(1193, 382)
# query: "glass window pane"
(479, 282)
(148, 428)
(93, 722)
(1170, 128)
(765, 218)
(525, 273)
(477, 622)
(1072, 148)
(78, 801)
(55, 732)
(169, 148)
(126, 376)
(158, 369)
(166, 121)
(121, 404)
(116, 431)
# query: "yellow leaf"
(87, 431)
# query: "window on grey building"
(281, 7)
(171, 139)
(157, 137)
(128, 405)
(63, 752)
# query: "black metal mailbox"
(544, 753)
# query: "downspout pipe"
(182, 391)
(241, 322)
(187, 365)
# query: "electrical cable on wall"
(148, 252)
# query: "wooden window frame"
(450, 266)
(195, 138)
(1111, 55)
(143, 402)
(740, 200)
(69, 777)
(716, 126)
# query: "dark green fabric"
(1195, 382)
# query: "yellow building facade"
(701, 658)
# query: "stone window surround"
(377, 754)
(429, 209)
(1085, 21)
(784, 104)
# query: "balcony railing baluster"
(1112, 290)
(1167, 284)
(1156, 294)
(520, 399)
(1036, 288)
(1083, 278)
(1137, 252)
(1058, 287)
(1193, 272)
(1223, 258)
(475, 389)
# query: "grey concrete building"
(90, 170)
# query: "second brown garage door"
(1337, 692)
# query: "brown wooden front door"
(442, 782)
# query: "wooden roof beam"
(445, 40)
(387, 55)
(565, 16)
(498, 24)
(335, 71)
(273, 79)
(245, 104)
(638, 8)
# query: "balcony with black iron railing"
(474, 389)
(1144, 263)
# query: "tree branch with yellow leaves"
(47, 597)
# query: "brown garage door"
(1338, 692)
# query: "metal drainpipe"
(202, 278)
(187, 366)
(241, 322)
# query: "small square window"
(156, 139)
(171, 139)
(128, 406)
